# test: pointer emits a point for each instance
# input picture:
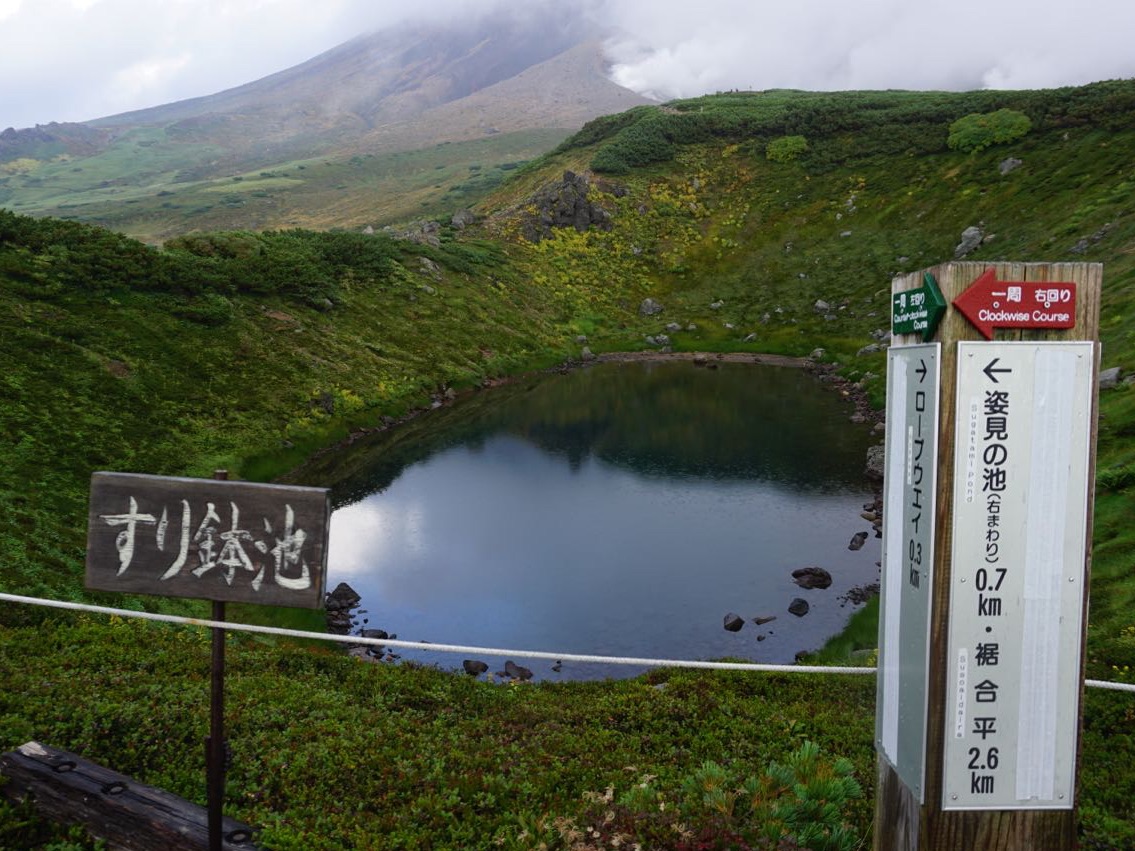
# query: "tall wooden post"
(981, 678)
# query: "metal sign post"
(214, 540)
(215, 741)
(984, 754)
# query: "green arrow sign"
(918, 311)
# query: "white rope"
(1110, 686)
(440, 648)
(485, 651)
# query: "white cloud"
(9, 8)
(686, 49)
(82, 59)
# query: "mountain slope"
(249, 350)
(527, 72)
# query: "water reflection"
(619, 510)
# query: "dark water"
(619, 510)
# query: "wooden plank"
(126, 814)
(208, 539)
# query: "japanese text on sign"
(1016, 599)
(913, 378)
(208, 539)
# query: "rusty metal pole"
(215, 743)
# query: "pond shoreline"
(846, 409)
(825, 373)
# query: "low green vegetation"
(974, 132)
(250, 349)
(154, 188)
(786, 148)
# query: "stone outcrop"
(562, 204)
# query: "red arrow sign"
(989, 303)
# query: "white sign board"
(908, 559)
(1022, 440)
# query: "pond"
(621, 509)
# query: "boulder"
(876, 462)
(1109, 378)
(798, 607)
(857, 541)
(474, 667)
(517, 672)
(462, 219)
(761, 620)
(1009, 164)
(649, 307)
(733, 622)
(971, 239)
(812, 577)
(343, 597)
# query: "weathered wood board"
(208, 539)
(126, 814)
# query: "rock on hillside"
(563, 203)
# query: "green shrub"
(801, 801)
(786, 148)
(980, 130)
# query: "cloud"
(82, 59)
(681, 50)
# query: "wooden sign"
(208, 539)
(1010, 547)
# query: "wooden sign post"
(213, 540)
(991, 427)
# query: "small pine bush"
(980, 130)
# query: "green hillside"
(145, 186)
(249, 350)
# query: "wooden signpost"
(214, 540)
(985, 578)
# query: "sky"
(75, 60)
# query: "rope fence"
(358, 640)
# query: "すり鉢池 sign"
(209, 539)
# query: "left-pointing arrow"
(990, 304)
(991, 370)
